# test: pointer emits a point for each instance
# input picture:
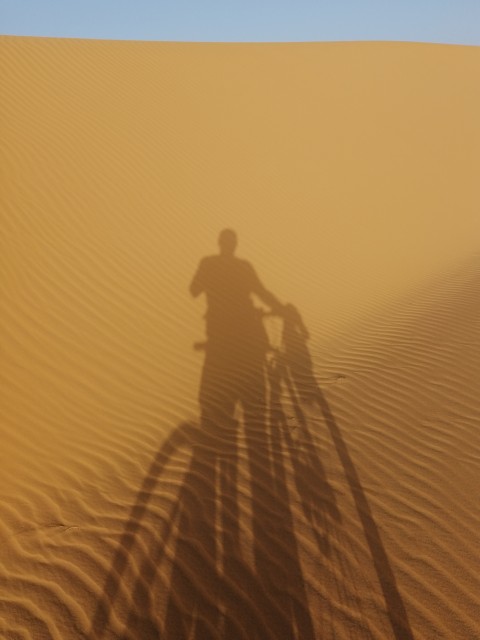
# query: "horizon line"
(241, 42)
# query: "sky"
(442, 21)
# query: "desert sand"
(345, 503)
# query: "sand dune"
(341, 499)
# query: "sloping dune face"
(325, 490)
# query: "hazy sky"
(447, 21)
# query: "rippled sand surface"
(342, 500)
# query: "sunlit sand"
(326, 488)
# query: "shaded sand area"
(340, 499)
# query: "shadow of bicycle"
(229, 542)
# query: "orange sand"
(350, 173)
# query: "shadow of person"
(236, 571)
(234, 565)
(229, 283)
(242, 597)
(225, 560)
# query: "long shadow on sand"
(229, 541)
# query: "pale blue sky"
(445, 21)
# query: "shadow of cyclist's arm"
(265, 296)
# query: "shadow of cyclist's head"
(227, 241)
